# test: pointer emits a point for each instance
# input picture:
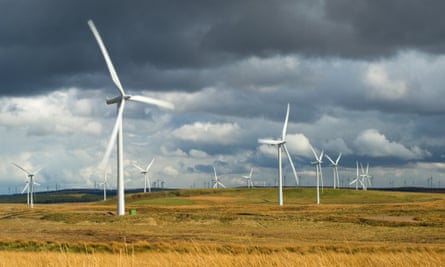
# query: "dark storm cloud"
(45, 45)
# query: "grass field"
(230, 227)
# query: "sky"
(363, 78)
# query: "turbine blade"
(251, 172)
(37, 171)
(338, 159)
(315, 154)
(152, 101)
(214, 171)
(104, 51)
(149, 165)
(356, 162)
(291, 164)
(321, 155)
(329, 158)
(367, 168)
(138, 167)
(26, 187)
(112, 140)
(283, 136)
(21, 168)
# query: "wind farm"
(193, 173)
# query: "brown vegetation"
(227, 229)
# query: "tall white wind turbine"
(249, 178)
(216, 181)
(318, 171)
(145, 173)
(29, 187)
(117, 130)
(281, 145)
(334, 165)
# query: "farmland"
(231, 227)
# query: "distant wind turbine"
(249, 178)
(117, 130)
(318, 171)
(357, 178)
(104, 184)
(29, 187)
(365, 177)
(145, 173)
(281, 145)
(334, 165)
(216, 181)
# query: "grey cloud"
(47, 45)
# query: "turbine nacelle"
(272, 142)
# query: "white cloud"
(372, 143)
(177, 153)
(194, 153)
(268, 150)
(337, 145)
(209, 133)
(299, 144)
(170, 171)
(57, 113)
(381, 85)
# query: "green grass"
(266, 196)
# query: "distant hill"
(92, 195)
(66, 196)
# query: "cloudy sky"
(364, 78)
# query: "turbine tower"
(249, 178)
(319, 173)
(216, 182)
(104, 183)
(281, 145)
(145, 173)
(117, 130)
(29, 187)
(334, 165)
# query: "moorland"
(230, 227)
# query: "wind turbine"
(117, 130)
(357, 178)
(334, 165)
(145, 173)
(104, 183)
(318, 171)
(249, 179)
(216, 181)
(365, 177)
(29, 187)
(281, 145)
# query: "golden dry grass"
(229, 228)
(164, 259)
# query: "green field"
(233, 222)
